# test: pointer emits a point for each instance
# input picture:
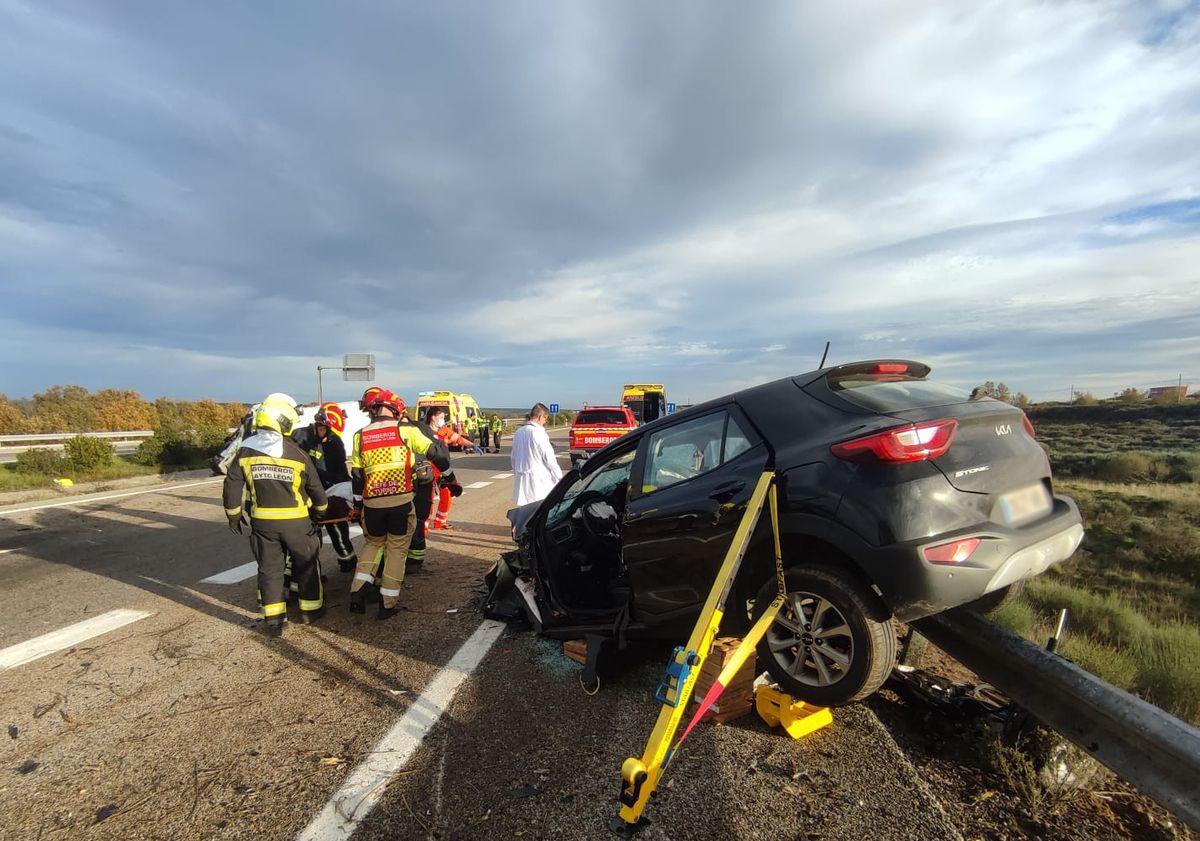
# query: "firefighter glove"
(236, 521)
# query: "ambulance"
(647, 401)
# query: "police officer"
(382, 462)
(282, 484)
(322, 440)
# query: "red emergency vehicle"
(596, 427)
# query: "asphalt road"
(188, 723)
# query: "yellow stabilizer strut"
(639, 778)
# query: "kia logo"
(1003, 429)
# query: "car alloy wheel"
(811, 640)
(833, 642)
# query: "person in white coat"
(535, 469)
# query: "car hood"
(520, 517)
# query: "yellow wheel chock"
(778, 709)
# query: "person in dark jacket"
(284, 491)
(322, 440)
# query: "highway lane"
(188, 723)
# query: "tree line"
(73, 408)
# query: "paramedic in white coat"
(535, 468)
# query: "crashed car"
(899, 497)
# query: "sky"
(544, 200)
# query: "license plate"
(1025, 504)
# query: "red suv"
(597, 427)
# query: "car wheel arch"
(808, 550)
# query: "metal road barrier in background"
(60, 437)
(1156, 752)
(13, 445)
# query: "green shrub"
(176, 448)
(1104, 661)
(1106, 618)
(83, 453)
(1169, 669)
(41, 461)
(1017, 616)
(1124, 467)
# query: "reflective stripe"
(384, 591)
(233, 512)
(279, 513)
(311, 604)
(364, 576)
(276, 609)
(416, 553)
(300, 509)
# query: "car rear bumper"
(914, 587)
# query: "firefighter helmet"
(368, 397)
(332, 416)
(386, 398)
(277, 412)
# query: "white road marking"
(38, 647)
(366, 783)
(86, 500)
(476, 485)
(233, 576)
(502, 476)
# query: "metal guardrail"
(1153, 750)
(61, 437)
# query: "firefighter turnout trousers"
(388, 529)
(339, 536)
(272, 541)
(422, 505)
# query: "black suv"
(899, 498)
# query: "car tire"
(993, 601)
(854, 661)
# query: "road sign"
(670, 408)
(554, 408)
(358, 367)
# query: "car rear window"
(894, 393)
(601, 416)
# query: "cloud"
(529, 200)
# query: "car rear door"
(691, 484)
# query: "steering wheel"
(591, 522)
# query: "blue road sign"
(670, 408)
(554, 408)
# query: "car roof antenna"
(824, 355)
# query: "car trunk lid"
(992, 452)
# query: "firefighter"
(425, 489)
(497, 427)
(322, 440)
(447, 486)
(382, 464)
(282, 485)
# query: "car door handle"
(727, 491)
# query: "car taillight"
(914, 442)
(890, 368)
(1028, 424)
(952, 553)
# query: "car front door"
(692, 482)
